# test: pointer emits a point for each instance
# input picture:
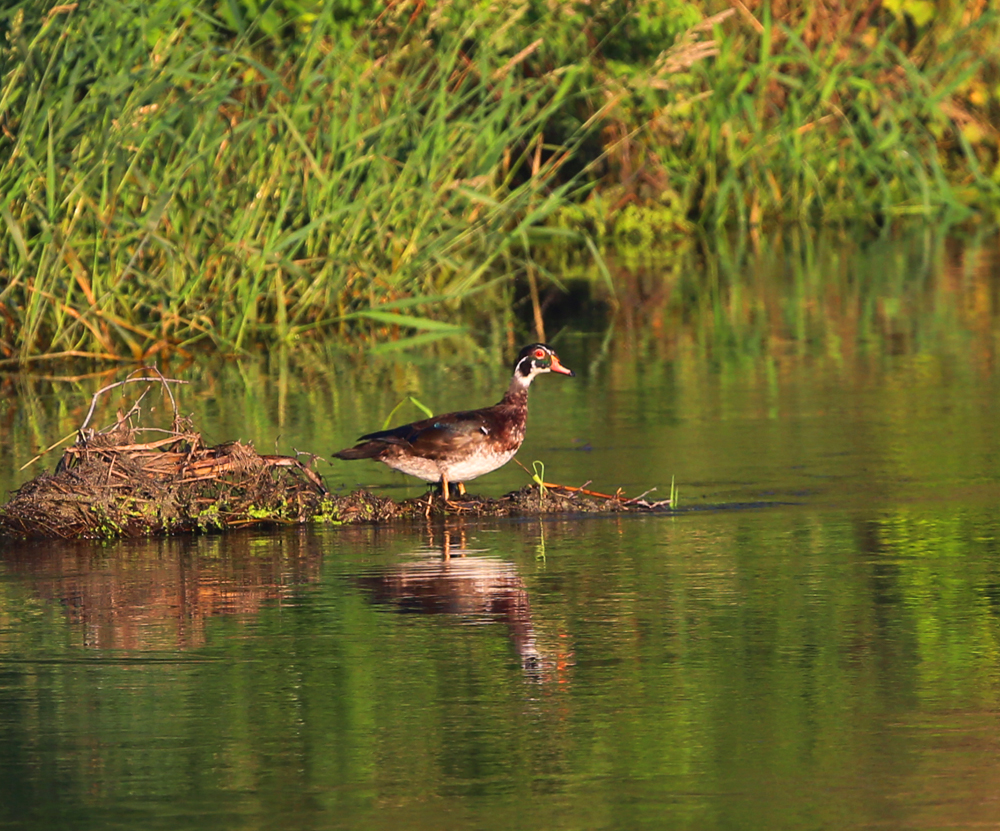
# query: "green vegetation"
(388, 420)
(227, 174)
(538, 477)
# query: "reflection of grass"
(945, 579)
(666, 338)
(818, 635)
(799, 294)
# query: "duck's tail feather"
(368, 450)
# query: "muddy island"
(121, 482)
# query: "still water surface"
(815, 643)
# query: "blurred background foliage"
(233, 173)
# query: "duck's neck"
(517, 392)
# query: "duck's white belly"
(463, 471)
(477, 465)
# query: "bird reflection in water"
(460, 582)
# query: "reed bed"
(176, 176)
(192, 192)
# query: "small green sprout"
(539, 477)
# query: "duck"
(454, 448)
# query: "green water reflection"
(856, 371)
(813, 644)
(774, 668)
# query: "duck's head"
(536, 359)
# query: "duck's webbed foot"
(455, 495)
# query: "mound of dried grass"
(111, 484)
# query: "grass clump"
(162, 188)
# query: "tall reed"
(164, 189)
(229, 173)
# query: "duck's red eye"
(539, 354)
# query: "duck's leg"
(444, 486)
(461, 488)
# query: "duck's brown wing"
(433, 438)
